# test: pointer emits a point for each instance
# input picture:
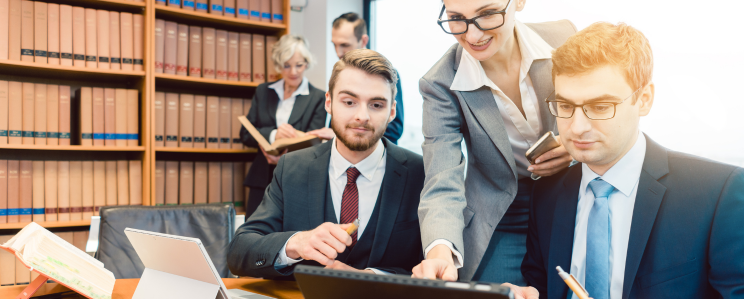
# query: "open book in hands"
(51, 256)
(302, 140)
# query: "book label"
(213, 140)
(216, 7)
(242, 12)
(28, 133)
(198, 139)
(79, 57)
(67, 135)
(265, 15)
(236, 140)
(109, 136)
(115, 60)
(3, 212)
(84, 135)
(13, 212)
(255, 13)
(225, 140)
(53, 54)
(40, 53)
(98, 136)
(90, 58)
(279, 17)
(202, 6)
(174, 2)
(137, 61)
(14, 133)
(185, 139)
(52, 135)
(39, 211)
(160, 1)
(69, 56)
(171, 138)
(26, 211)
(158, 137)
(3, 133)
(188, 3)
(230, 10)
(126, 60)
(40, 134)
(103, 59)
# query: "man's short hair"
(603, 44)
(360, 26)
(370, 62)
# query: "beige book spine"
(104, 50)
(126, 41)
(40, 114)
(91, 38)
(171, 119)
(159, 119)
(14, 189)
(171, 182)
(122, 182)
(79, 34)
(271, 72)
(4, 193)
(4, 15)
(138, 23)
(63, 190)
(29, 99)
(215, 7)
(195, 51)
(208, 53)
(189, 5)
(159, 45)
(76, 190)
(186, 121)
(65, 35)
(99, 186)
(243, 11)
(52, 114)
(114, 40)
(51, 190)
(53, 30)
(246, 110)
(64, 115)
(225, 123)
(120, 108)
(27, 187)
(213, 122)
(38, 191)
(221, 54)
(255, 7)
(15, 120)
(88, 189)
(265, 10)
(8, 262)
(202, 6)
(200, 121)
(85, 96)
(233, 61)
(4, 92)
(214, 185)
(109, 116)
(132, 117)
(171, 48)
(111, 184)
(99, 115)
(80, 239)
(277, 11)
(135, 182)
(174, 3)
(228, 8)
(186, 186)
(40, 32)
(237, 185)
(236, 110)
(23, 276)
(227, 181)
(161, 2)
(201, 178)
(259, 56)
(14, 29)
(159, 183)
(182, 50)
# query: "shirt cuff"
(272, 136)
(457, 257)
(378, 272)
(283, 261)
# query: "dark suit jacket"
(307, 114)
(686, 238)
(395, 128)
(298, 199)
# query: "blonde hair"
(370, 62)
(603, 44)
(286, 47)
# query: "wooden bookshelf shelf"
(65, 72)
(74, 148)
(202, 82)
(210, 20)
(205, 150)
(125, 3)
(48, 224)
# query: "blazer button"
(260, 262)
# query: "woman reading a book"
(280, 109)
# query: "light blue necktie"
(598, 234)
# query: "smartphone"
(546, 143)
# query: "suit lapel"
(561, 236)
(542, 82)
(393, 187)
(317, 184)
(272, 104)
(300, 105)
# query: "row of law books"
(197, 121)
(13, 272)
(216, 54)
(34, 113)
(256, 10)
(108, 116)
(188, 182)
(66, 190)
(58, 34)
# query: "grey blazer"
(465, 210)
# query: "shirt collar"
(366, 167)
(471, 75)
(625, 174)
(303, 89)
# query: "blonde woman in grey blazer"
(489, 90)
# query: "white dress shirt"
(284, 109)
(624, 177)
(522, 132)
(372, 171)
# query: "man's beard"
(357, 145)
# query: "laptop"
(320, 283)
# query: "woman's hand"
(551, 162)
(323, 133)
(285, 131)
(273, 160)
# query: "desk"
(124, 288)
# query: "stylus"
(572, 283)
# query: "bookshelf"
(46, 224)
(82, 148)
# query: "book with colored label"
(301, 141)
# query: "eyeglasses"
(594, 111)
(298, 66)
(485, 22)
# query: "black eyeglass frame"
(573, 111)
(473, 20)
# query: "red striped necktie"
(350, 200)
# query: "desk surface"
(124, 288)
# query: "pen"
(572, 283)
(353, 228)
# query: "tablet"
(320, 283)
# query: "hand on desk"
(323, 244)
(523, 292)
(285, 131)
(438, 264)
(273, 160)
(323, 133)
(344, 267)
(551, 162)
